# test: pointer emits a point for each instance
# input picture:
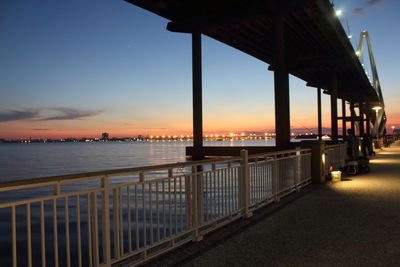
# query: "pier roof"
(316, 44)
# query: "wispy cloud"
(358, 11)
(40, 129)
(16, 115)
(46, 114)
(71, 114)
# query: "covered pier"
(303, 38)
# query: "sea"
(19, 161)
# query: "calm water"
(22, 161)
(32, 160)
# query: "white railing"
(335, 157)
(132, 215)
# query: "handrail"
(148, 215)
(67, 178)
(98, 174)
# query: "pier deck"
(347, 223)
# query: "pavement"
(348, 223)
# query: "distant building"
(105, 137)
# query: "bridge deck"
(348, 223)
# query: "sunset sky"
(82, 67)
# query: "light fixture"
(377, 108)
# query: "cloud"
(40, 129)
(371, 3)
(46, 114)
(71, 114)
(358, 11)
(17, 115)
(367, 5)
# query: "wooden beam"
(197, 96)
(319, 114)
(334, 121)
(281, 86)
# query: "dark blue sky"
(73, 68)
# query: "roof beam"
(239, 12)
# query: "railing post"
(106, 231)
(94, 229)
(188, 200)
(275, 175)
(297, 171)
(245, 184)
(196, 206)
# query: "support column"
(344, 118)
(334, 121)
(367, 121)
(361, 111)
(352, 115)
(281, 78)
(319, 115)
(197, 97)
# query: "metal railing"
(335, 157)
(131, 215)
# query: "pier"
(127, 217)
(348, 223)
(131, 216)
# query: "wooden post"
(344, 118)
(367, 121)
(352, 115)
(361, 112)
(197, 97)
(281, 79)
(334, 121)
(319, 115)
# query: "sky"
(82, 67)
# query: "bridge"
(303, 38)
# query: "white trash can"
(336, 176)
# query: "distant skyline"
(83, 67)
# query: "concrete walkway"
(347, 223)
